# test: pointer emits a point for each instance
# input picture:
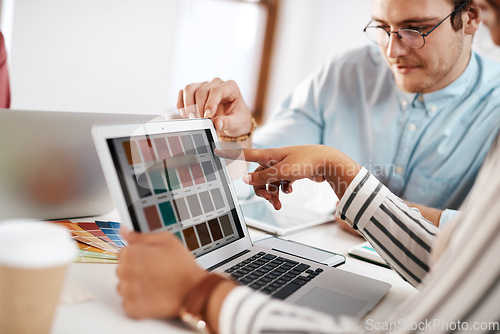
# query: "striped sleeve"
(399, 233)
(462, 292)
(246, 311)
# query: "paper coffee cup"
(33, 260)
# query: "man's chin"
(409, 86)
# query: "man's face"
(445, 54)
(490, 16)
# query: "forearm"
(431, 214)
(399, 234)
(247, 311)
(215, 302)
(340, 171)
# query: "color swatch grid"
(201, 237)
(164, 171)
(175, 184)
(98, 242)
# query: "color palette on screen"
(183, 209)
(207, 232)
(148, 150)
(173, 178)
(174, 175)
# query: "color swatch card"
(96, 244)
(174, 182)
(112, 231)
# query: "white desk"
(104, 314)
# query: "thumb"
(231, 125)
(233, 154)
(263, 176)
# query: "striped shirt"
(457, 269)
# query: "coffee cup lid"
(35, 244)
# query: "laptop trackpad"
(331, 302)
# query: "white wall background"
(125, 56)
(91, 55)
(309, 34)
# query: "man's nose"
(396, 48)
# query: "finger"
(180, 104)
(265, 157)
(286, 187)
(226, 91)
(130, 308)
(275, 201)
(261, 191)
(268, 175)
(202, 94)
(125, 232)
(121, 261)
(180, 99)
(233, 154)
(264, 192)
(230, 125)
(189, 94)
(274, 188)
(121, 288)
(192, 111)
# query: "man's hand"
(219, 100)
(156, 272)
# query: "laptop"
(49, 167)
(165, 176)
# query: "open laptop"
(165, 176)
(49, 167)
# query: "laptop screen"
(174, 182)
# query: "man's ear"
(471, 18)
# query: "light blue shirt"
(426, 148)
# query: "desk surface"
(104, 313)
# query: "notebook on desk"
(49, 167)
(165, 176)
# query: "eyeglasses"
(412, 38)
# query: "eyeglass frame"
(413, 30)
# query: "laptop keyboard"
(273, 275)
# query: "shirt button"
(404, 103)
(412, 127)
(433, 109)
(399, 170)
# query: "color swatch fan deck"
(98, 242)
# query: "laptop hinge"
(228, 260)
